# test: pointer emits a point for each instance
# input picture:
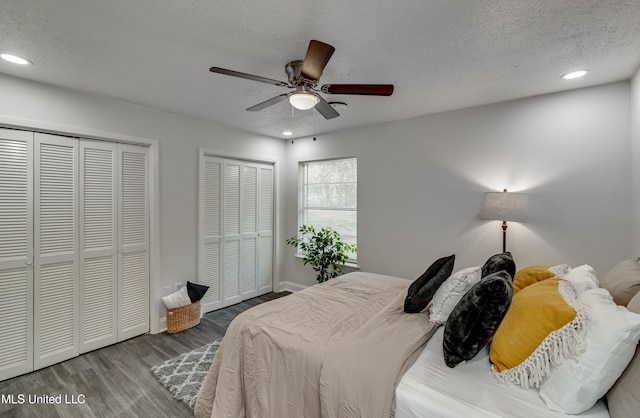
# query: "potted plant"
(323, 249)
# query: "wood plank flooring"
(115, 381)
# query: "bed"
(287, 357)
(346, 348)
(431, 389)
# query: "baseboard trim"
(291, 287)
(162, 325)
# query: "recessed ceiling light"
(575, 74)
(287, 133)
(15, 59)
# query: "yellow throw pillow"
(541, 329)
(530, 275)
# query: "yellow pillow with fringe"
(543, 327)
(530, 275)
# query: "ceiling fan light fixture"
(303, 100)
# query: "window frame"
(302, 199)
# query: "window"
(328, 197)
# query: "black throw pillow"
(424, 287)
(476, 317)
(495, 263)
(196, 291)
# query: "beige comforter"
(336, 349)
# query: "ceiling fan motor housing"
(294, 70)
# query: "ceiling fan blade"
(318, 55)
(325, 109)
(362, 89)
(248, 76)
(268, 103)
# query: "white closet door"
(133, 245)
(265, 230)
(236, 230)
(16, 253)
(98, 251)
(74, 250)
(56, 250)
(249, 231)
(231, 233)
(211, 232)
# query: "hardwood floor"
(115, 381)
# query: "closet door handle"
(29, 262)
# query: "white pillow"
(177, 299)
(560, 270)
(583, 278)
(612, 333)
(451, 291)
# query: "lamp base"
(504, 236)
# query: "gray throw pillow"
(421, 291)
(623, 281)
(498, 262)
(476, 317)
(623, 398)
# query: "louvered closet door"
(16, 253)
(211, 243)
(236, 237)
(265, 230)
(56, 250)
(249, 231)
(98, 251)
(231, 233)
(133, 245)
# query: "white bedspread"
(431, 389)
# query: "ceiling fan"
(303, 76)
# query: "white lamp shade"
(303, 100)
(504, 206)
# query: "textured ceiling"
(440, 55)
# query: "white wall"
(178, 139)
(635, 140)
(421, 181)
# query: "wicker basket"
(183, 318)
